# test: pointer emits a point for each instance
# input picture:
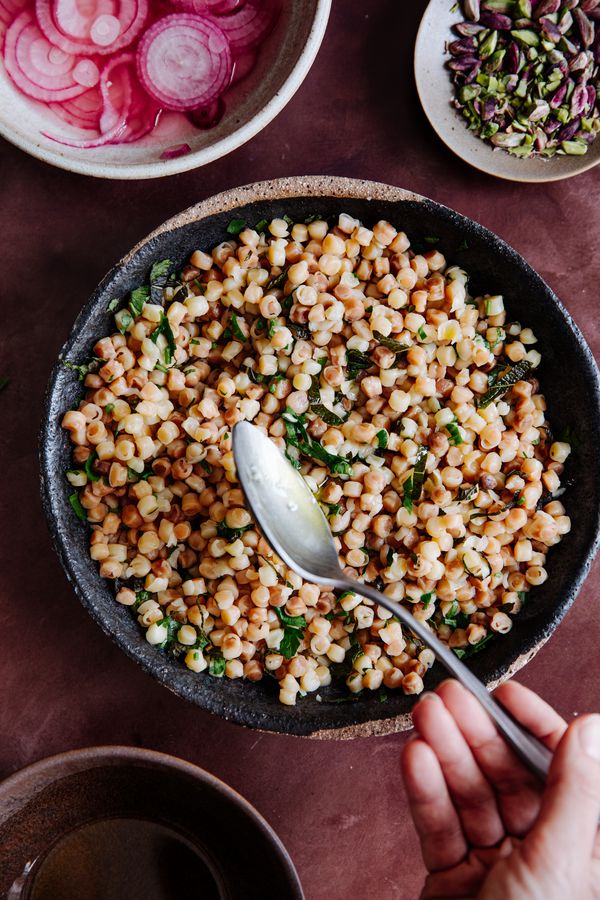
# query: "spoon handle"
(533, 753)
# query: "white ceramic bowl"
(436, 92)
(283, 63)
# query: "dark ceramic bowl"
(51, 799)
(570, 382)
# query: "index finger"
(517, 789)
(532, 712)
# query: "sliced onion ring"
(81, 112)
(40, 70)
(184, 61)
(120, 90)
(247, 26)
(131, 15)
(74, 17)
(175, 152)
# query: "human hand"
(488, 828)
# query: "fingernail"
(590, 736)
(428, 695)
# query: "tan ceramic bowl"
(436, 93)
(283, 63)
(51, 799)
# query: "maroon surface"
(339, 807)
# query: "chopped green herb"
(160, 270)
(124, 321)
(382, 696)
(468, 493)
(516, 500)
(206, 466)
(236, 329)
(236, 226)
(431, 239)
(132, 475)
(138, 297)
(292, 633)
(298, 437)
(315, 217)
(319, 408)
(464, 245)
(421, 333)
(140, 597)
(172, 626)
(113, 305)
(396, 346)
(503, 382)
(407, 502)
(92, 476)
(300, 332)
(290, 621)
(419, 472)
(77, 507)
(216, 664)
(355, 360)
(426, 599)
(230, 534)
(289, 222)
(164, 327)
(455, 435)
(275, 381)
(254, 376)
(261, 225)
(82, 370)
(278, 281)
(382, 439)
(474, 648)
(202, 641)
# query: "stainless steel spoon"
(294, 525)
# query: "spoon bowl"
(290, 517)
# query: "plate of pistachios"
(513, 86)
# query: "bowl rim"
(22, 786)
(341, 188)
(584, 165)
(197, 158)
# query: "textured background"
(339, 807)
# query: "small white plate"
(283, 63)
(436, 92)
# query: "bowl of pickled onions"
(145, 88)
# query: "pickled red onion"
(248, 25)
(39, 69)
(184, 61)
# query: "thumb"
(564, 834)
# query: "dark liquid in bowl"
(123, 859)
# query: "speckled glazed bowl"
(282, 65)
(569, 378)
(52, 798)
